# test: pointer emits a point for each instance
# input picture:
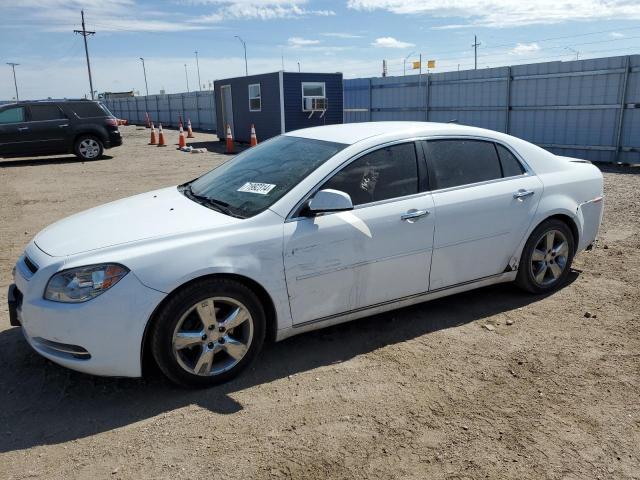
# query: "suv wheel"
(88, 147)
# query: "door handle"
(413, 215)
(522, 193)
(63, 126)
(22, 129)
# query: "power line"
(85, 33)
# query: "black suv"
(52, 127)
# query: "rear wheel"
(546, 258)
(88, 147)
(208, 333)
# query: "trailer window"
(255, 98)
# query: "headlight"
(84, 283)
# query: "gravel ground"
(423, 392)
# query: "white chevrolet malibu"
(309, 229)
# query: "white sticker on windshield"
(260, 188)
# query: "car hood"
(150, 215)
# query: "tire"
(208, 333)
(544, 269)
(88, 147)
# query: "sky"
(348, 36)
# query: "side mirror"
(329, 200)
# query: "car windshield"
(258, 177)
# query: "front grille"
(33, 268)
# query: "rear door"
(485, 200)
(48, 128)
(13, 131)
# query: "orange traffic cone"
(254, 139)
(181, 141)
(189, 130)
(153, 140)
(161, 142)
(229, 140)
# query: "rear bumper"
(114, 140)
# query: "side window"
(87, 109)
(389, 172)
(12, 115)
(255, 99)
(461, 162)
(510, 164)
(45, 112)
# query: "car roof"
(351, 133)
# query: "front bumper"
(102, 336)
(14, 299)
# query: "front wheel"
(208, 332)
(88, 147)
(546, 258)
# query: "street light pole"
(144, 70)
(404, 64)
(15, 83)
(574, 51)
(198, 68)
(186, 75)
(244, 45)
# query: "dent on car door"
(12, 129)
(485, 200)
(340, 262)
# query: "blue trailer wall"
(266, 121)
(294, 117)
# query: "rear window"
(87, 109)
(45, 112)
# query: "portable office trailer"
(277, 102)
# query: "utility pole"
(244, 45)
(144, 70)
(198, 67)
(13, 66)
(475, 51)
(85, 33)
(186, 75)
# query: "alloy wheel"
(549, 257)
(89, 148)
(212, 336)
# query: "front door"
(13, 131)
(227, 110)
(484, 201)
(378, 252)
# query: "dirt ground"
(424, 392)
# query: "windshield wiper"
(219, 205)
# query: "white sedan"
(309, 229)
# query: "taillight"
(112, 122)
